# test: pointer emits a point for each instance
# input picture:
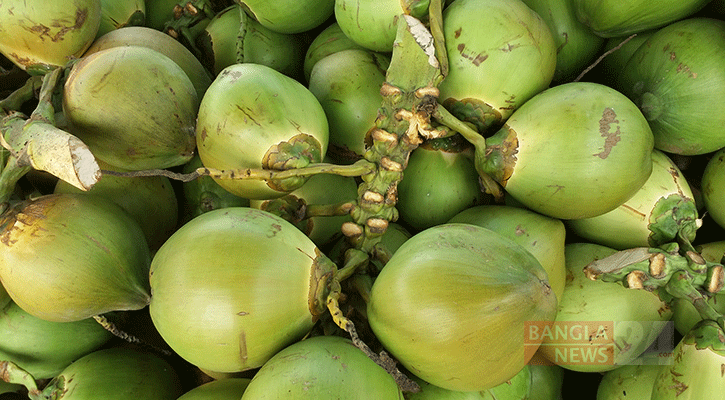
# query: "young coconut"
(373, 24)
(44, 348)
(452, 303)
(576, 150)
(696, 369)
(347, 85)
(161, 42)
(439, 181)
(629, 382)
(150, 200)
(517, 388)
(315, 195)
(619, 50)
(232, 37)
(576, 44)
(120, 373)
(676, 78)
(67, 257)
(234, 286)
(329, 41)
(713, 187)
(289, 16)
(621, 323)
(547, 380)
(609, 18)
(321, 367)
(542, 236)
(218, 389)
(500, 54)
(255, 117)
(133, 106)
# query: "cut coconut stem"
(36, 142)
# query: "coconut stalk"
(410, 97)
(673, 273)
(190, 20)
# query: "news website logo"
(572, 342)
(600, 342)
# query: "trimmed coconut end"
(86, 168)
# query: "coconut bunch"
(373, 199)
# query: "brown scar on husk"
(676, 177)
(44, 31)
(678, 386)
(556, 187)
(476, 60)
(635, 211)
(681, 68)
(610, 138)
(243, 355)
(509, 47)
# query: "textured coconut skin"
(696, 366)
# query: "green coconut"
(47, 34)
(610, 18)
(67, 257)
(452, 303)
(542, 236)
(322, 367)
(576, 150)
(234, 286)
(676, 78)
(133, 106)
(253, 116)
(500, 54)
